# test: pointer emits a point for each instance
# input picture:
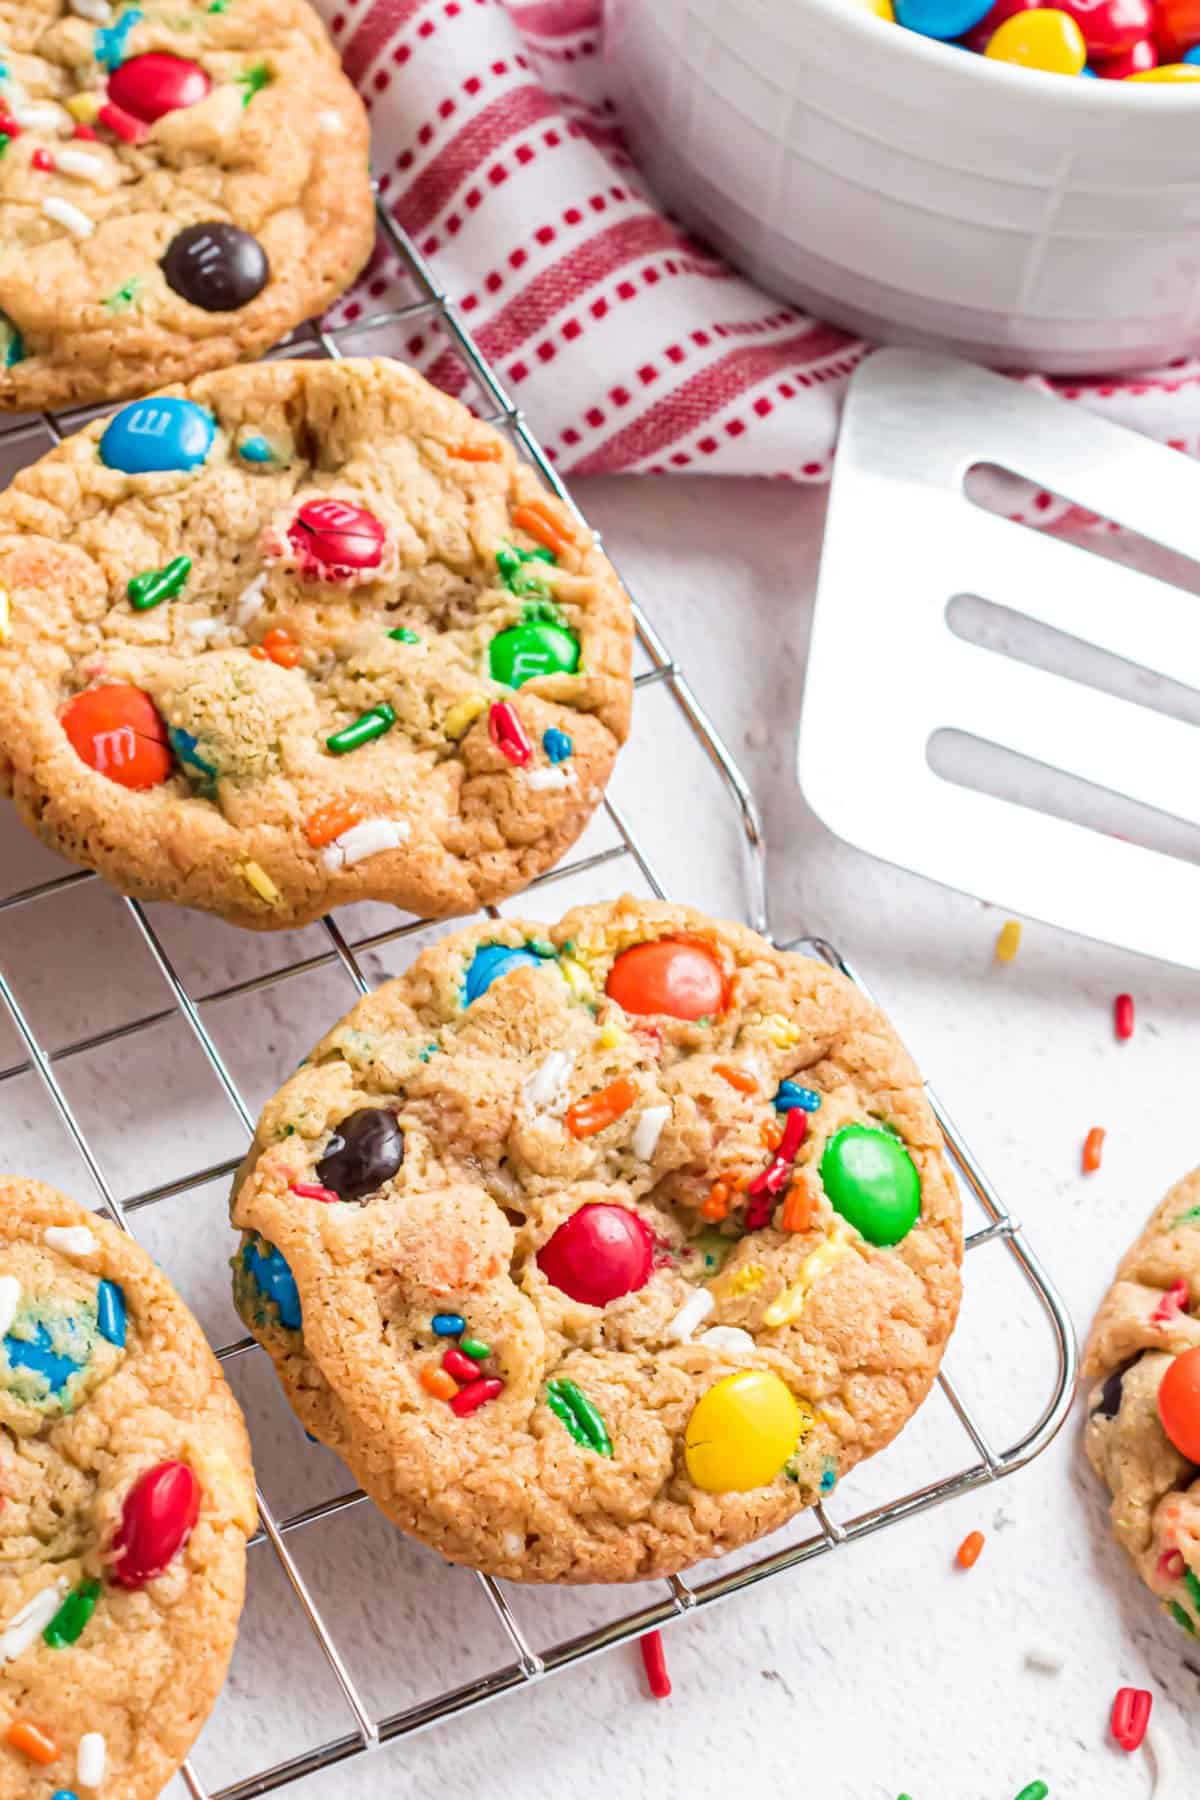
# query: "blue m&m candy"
(490, 963)
(38, 1355)
(153, 436)
(941, 18)
(275, 1281)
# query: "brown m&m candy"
(216, 266)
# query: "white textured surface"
(878, 1671)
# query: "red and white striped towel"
(628, 345)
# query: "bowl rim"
(1082, 95)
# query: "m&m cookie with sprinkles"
(127, 1503)
(180, 185)
(305, 633)
(1142, 1362)
(601, 1248)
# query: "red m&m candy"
(677, 976)
(118, 732)
(1110, 27)
(980, 35)
(150, 86)
(337, 535)
(1176, 27)
(1179, 1404)
(598, 1254)
(160, 1511)
(1135, 61)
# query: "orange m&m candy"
(1179, 1404)
(677, 976)
(118, 732)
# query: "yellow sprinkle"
(5, 617)
(84, 107)
(256, 877)
(463, 714)
(787, 1305)
(1008, 940)
(807, 1419)
(577, 979)
(782, 1032)
(610, 1035)
(746, 1279)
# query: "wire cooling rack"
(613, 856)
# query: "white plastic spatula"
(886, 672)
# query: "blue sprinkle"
(449, 1324)
(38, 1355)
(12, 344)
(273, 1278)
(311, 1438)
(255, 450)
(64, 1794)
(110, 1313)
(828, 1477)
(791, 1095)
(110, 39)
(556, 744)
(428, 1053)
(491, 962)
(151, 437)
(185, 747)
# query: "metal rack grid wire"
(679, 1595)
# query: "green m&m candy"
(873, 1182)
(535, 648)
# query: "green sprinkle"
(1192, 1583)
(12, 344)
(72, 1616)
(156, 585)
(253, 81)
(125, 296)
(217, 6)
(403, 635)
(475, 1349)
(516, 576)
(5, 141)
(1190, 1217)
(541, 947)
(1180, 1617)
(428, 1053)
(1037, 1790)
(368, 725)
(572, 1406)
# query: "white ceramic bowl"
(911, 191)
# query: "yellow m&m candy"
(1168, 72)
(883, 9)
(741, 1432)
(1042, 39)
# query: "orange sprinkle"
(437, 1382)
(34, 1743)
(967, 1554)
(536, 519)
(737, 1078)
(258, 651)
(483, 451)
(797, 1208)
(329, 822)
(717, 1204)
(771, 1134)
(595, 1111)
(1093, 1146)
(282, 648)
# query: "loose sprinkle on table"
(1037, 1790)
(1045, 1659)
(1123, 1016)
(1008, 940)
(968, 1552)
(1130, 1716)
(654, 1661)
(1093, 1147)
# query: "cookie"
(305, 633)
(127, 1502)
(598, 1249)
(1142, 1356)
(180, 185)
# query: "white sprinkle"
(512, 1543)
(648, 1130)
(37, 115)
(550, 778)
(331, 121)
(546, 1089)
(693, 1312)
(32, 1620)
(1159, 1746)
(250, 601)
(727, 1337)
(98, 11)
(10, 1299)
(1046, 1658)
(92, 1760)
(367, 839)
(82, 164)
(203, 628)
(68, 216)
(72, 1240)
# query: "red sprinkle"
(1171, 1565)
(1093, 1146)
(1173, 1302)
(123, 124)
(1130, 1716)
(654, 1659)
(8, 125)
(312, 1190)
(460, 1366)
(476, 1394)
(1123, 1016)
(773, 1179)
(42, 159)
(88, 133)
(508, 734)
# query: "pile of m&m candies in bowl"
(1115, 40)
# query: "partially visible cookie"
(1146, 1322)
(180, 185)
(127, 1502)
(601, 1248)
(301, 634)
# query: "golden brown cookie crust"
(469, 826)
(150, 1661)
(1136, 1333)
(490, 1171)
(96, 316)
